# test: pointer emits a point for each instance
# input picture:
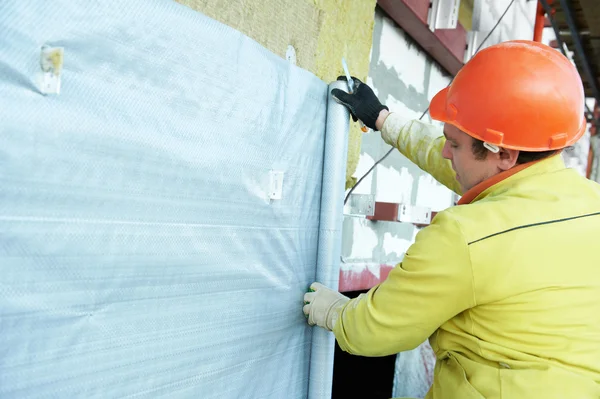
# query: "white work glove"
(322, 306)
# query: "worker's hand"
(322, 306)
(363, 103)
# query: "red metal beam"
(389, 211)
(419, 7)
(540, 22)
(385, 211)
(446, 46)
(590, 162)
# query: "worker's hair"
(481, 152)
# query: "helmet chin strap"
(493, 148)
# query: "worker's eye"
(453, 145)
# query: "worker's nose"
(446, 153)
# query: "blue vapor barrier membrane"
(159, 217)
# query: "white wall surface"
(516, 24)
(405, 79)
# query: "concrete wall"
(405, 79)
(517, 23)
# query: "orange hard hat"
(519, 94)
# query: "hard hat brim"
(440, 111)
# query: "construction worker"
(506, 285)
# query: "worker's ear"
(507, 158)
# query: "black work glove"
(363, 103)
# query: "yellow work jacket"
(506, 288)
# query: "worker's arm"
(433, 283)
(420, 142)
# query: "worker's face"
(470, 170)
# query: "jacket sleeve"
(422, 144)
(433, 283)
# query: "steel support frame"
(546, 5)
(567, 10)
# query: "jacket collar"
(483, 189)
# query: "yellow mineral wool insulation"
(465, 14)
(274, 24)
(321, 31)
